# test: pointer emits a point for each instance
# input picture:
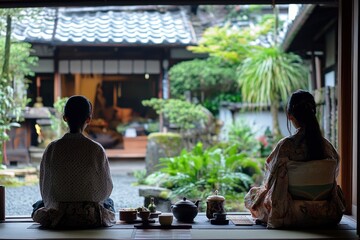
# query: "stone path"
(19, 200)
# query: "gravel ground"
(19, 200)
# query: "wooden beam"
(345, 99)
(356, 87)
(296, 26)
(85, 3)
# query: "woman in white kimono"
(289, 197)
(75, 180)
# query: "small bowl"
(166, 219)
(144, 215)
(127, 214)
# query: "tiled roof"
(107, 26)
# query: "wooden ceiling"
(83, 3)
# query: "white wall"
(259, 120)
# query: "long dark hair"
(302, 107)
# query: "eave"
(308, 28)
(59, 3)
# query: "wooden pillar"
(57, 76)
(318, 73)
(57, 86)
(77, 83)
(345, 99)
(356, 91)
(160, 84)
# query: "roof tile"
(91, 26)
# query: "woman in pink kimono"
(75, 180)
(299, 188)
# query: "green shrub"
(196, 174)
(205, 77)
(57, 123)
(140, 176)
(241, 133)
(180, 113)
(213, 103)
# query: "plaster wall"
(258, 120)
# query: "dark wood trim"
(356, 79)
(345, 99)
(296, 26)
(82, 3)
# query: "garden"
(15, 66)
(188, 156)
(245, 65)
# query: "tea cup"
(144, 215)
(127, 214)
(220, 216)
(166, 219)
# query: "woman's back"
(77, 173)
(296, 149)
(289, 195)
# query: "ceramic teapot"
(185, 210)
(214, 204)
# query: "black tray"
(139, 220)
(219, 222)
(158, 226)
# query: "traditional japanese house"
(116, 56)
(127, 50)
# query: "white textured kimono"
(75, 170)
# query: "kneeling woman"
(75, 180)
(299, 188)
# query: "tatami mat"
(271, 234)
(164, 234)
(28, 230)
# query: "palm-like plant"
(269, 75)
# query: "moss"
(163, 134)
(10, 181)
(166, 138)
(19, 177)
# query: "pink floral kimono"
(298, 193)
